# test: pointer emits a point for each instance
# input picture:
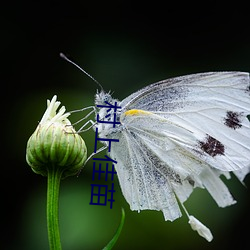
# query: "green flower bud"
(55, 144)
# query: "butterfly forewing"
(213, 106)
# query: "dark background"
(125, 45)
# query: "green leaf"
(117, 234)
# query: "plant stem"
(117, 234)
(53, 185)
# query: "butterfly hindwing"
(142, 184)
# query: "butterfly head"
(101, 98)
(105, 98)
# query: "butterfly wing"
(140, 184)
(213, 106)
(155, 168)
(181, 133)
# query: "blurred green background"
(125, 47)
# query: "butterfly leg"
(82, 128)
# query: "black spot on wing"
(248, 89)
(212, 146)
(233, 119)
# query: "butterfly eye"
(107, 98)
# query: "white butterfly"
(178, 134)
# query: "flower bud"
(55, 144)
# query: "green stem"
(54, 177)
(117, 234)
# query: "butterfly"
(179, 134)
(176, 135)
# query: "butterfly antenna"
(68, 60)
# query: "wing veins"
(131, 153)
(144, 184)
